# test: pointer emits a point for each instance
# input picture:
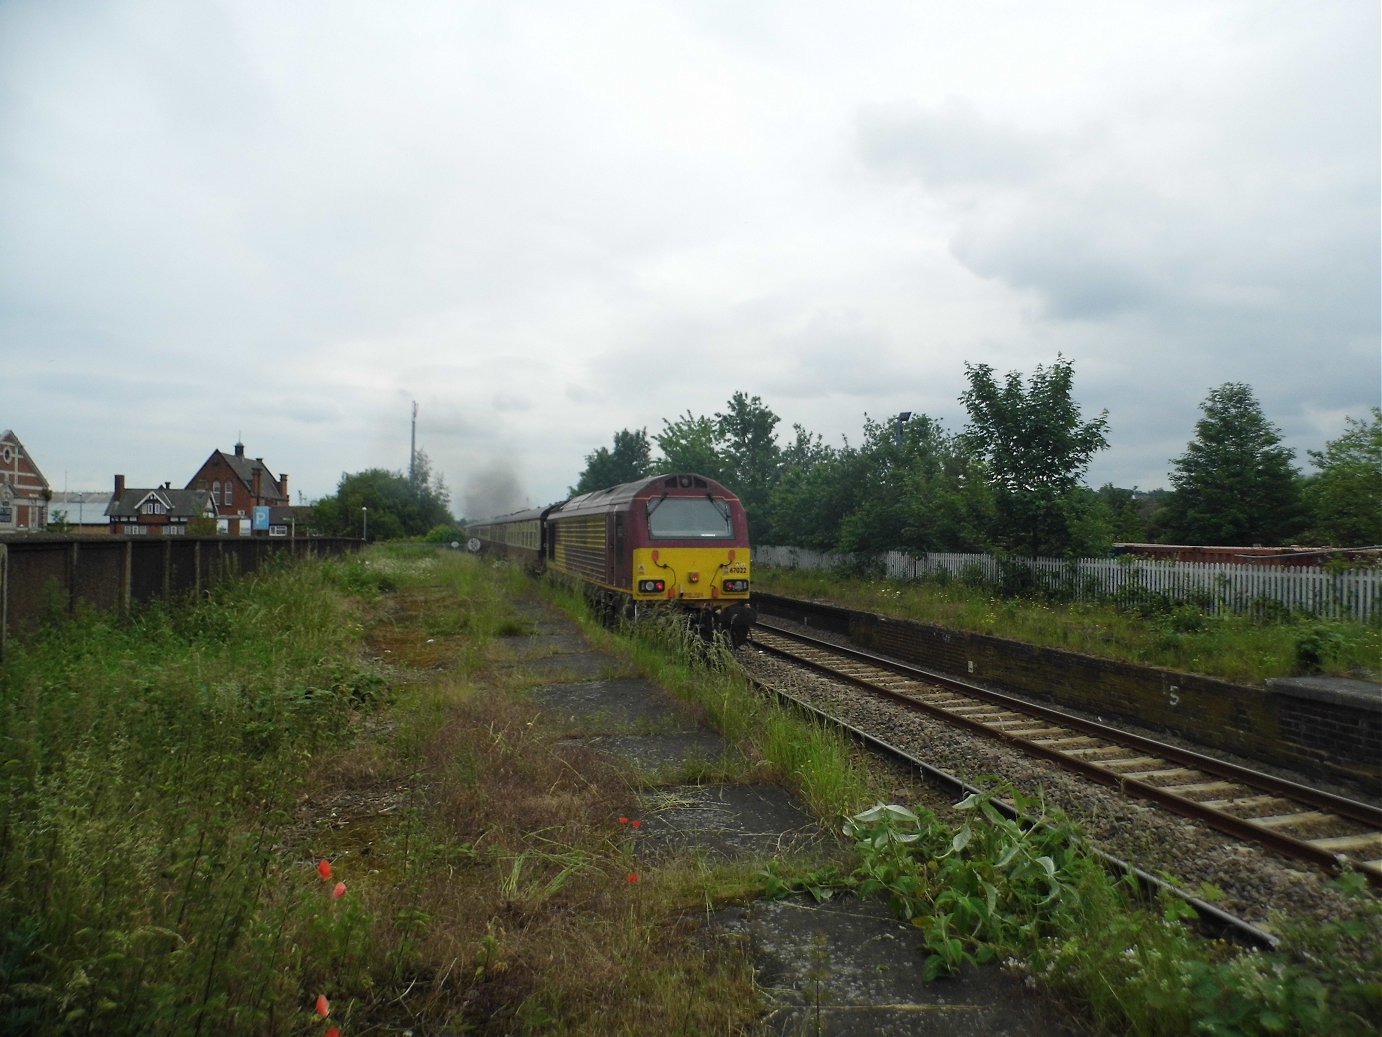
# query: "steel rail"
(1215, 921)
(1240, 828)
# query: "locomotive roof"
(683, 483)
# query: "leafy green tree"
(948, 504)
(746, 433)
(1127, 523)
(1035, 447)
(810, 494)
(629, 459)
(690, 444)
(1235, 483)
(1151, 507)
(1344, 498)
(446, 533)
(909, 486)
(870, 519)
(387, 504)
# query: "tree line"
(378, 504)
(1010, 481)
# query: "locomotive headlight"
(736, 586)
(651, 586)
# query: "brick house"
(241, 488)
(160, 511)
(24, 492)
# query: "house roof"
(244, 469)
(8, 436)
(177, 503)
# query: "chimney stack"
(283, 485)
(119, 486)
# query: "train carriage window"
(689, 517)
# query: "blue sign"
(261, 517)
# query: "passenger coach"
(679, 539)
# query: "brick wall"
(44, 578)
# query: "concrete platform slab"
(652, 753)
(567, 665)
(624, 705)
(727, 822)
(842, 967)
(848, 967)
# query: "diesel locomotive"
(677, 539)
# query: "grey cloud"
(548, 224)
(839, 353)
(951, 147)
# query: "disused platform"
(845, 966)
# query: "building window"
(228, 497)
(153, 506)
(216, 492)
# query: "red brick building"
(24, 492)
(159, 511)
(238, 485)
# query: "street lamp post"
(364, 522)
(897, 436)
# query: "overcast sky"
(283, 223)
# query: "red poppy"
(323, 1006)
(335, 1031)
(633, 877)
(635, 823)
(339, 891)
(324, 869)
(623, 820)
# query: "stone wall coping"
(1337, 691)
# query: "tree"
(746, 434)
(1035, 448)
(1127, 524)
(1235, 483)
(948, 504)
(393, 505)
(630, 459)
(809, 496)
(690, 444)
(1344, 499)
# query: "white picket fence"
(1355, 594)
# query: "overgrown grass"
(1241, 648)
(149, 767)
(172, 781)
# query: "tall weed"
(148, 764)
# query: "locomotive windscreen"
(679, 517)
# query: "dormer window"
(153, 506)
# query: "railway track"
(1294, 820)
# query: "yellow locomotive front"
(679, 539)
(686, 549)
